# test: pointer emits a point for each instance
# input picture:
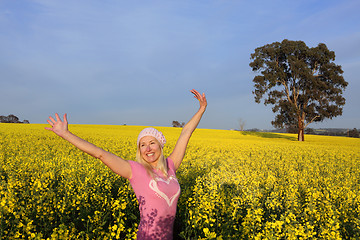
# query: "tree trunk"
(301, 135)
(301, 129)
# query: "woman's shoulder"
(136, 167)
(135, 164)
(170, 163)
(138, 171)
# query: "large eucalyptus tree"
(303, 84)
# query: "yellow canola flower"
(235, 185)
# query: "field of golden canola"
(235, 185)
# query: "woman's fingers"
(65, 118)
(53, 121)
(196, 94)
(50, 122)
(57, 125)
(200, 97)
(57, 117)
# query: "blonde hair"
(162, 165)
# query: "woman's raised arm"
(115, 163)
(179, 150)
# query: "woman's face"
(150, 150)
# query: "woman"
(152, 177)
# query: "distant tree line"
(11, 119)
(341, 132)
(328, 132)
(335, 132)
(353, 133)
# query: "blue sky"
(134, 62)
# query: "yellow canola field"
(235, 185)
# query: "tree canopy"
(178, 124)
(303, 84)
(11, 119)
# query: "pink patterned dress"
(157, 201)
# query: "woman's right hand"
(115, 163)
(59, 127)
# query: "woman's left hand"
(200, 97)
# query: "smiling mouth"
(150, 154)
